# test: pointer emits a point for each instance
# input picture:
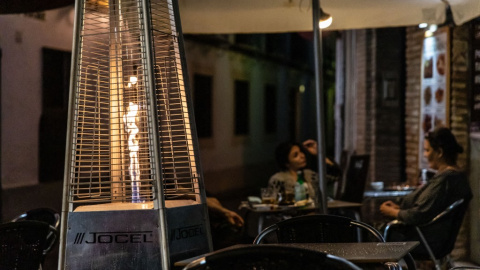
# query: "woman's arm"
(215, 206)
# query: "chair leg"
(430, 252)
(392, 266)
(449, 261)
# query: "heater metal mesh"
(115, 120)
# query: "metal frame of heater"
(167, 229)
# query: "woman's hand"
(311, 146)
(390, 209)
(233, 218)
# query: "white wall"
(21, 40)
(21, 98)
(225, 150)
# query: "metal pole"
(317, 37)
(152, 111)
(67, 206)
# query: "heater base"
(130, 239)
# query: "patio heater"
(133, 193)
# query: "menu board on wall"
(434, 87)
(475, 115)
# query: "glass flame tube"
(131, 128)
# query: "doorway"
(53, 121)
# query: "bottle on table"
(300, 187)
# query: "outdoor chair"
(323, 229)
(23, 243)
(433, 246)
(48, 216)
(355, 179)
(270, 258)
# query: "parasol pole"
(317, 49)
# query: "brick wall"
(366, 95)
(459, 115)
(361, 85)
(413, 56)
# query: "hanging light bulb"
(325, 19)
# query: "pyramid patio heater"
(133, 193)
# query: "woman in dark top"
(448, 185)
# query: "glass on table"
(268, 196)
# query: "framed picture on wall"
(434, 86)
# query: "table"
(267, 210)
(358, 253)
(367, 252)
(372, 200)
(386, 193)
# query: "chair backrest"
(319, 229)
(355, 178)
(46, 215)
(269, 258)
(22, 244)
(450, 220)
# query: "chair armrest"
(52, 239)
(392, 224)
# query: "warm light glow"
(133, 79)
(129, 120)
(431, 30)
(325, 23)
(423, 25)
(301, 88)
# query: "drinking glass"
(268, 195)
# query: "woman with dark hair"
(448, 185)
(291, 160)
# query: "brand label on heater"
(187, 232)
(113, 237)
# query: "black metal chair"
(270, 258)
(433, 246)
(323, 229)
(48, 216)
(23, 243)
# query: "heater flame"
(129, 120)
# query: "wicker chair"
(269, 258)
(23, 243)
(46, 215)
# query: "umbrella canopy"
(270, 16)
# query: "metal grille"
(112, 156)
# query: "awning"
(270, 16)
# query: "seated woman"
(292, 161)
(333, 172)
(448, 185)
